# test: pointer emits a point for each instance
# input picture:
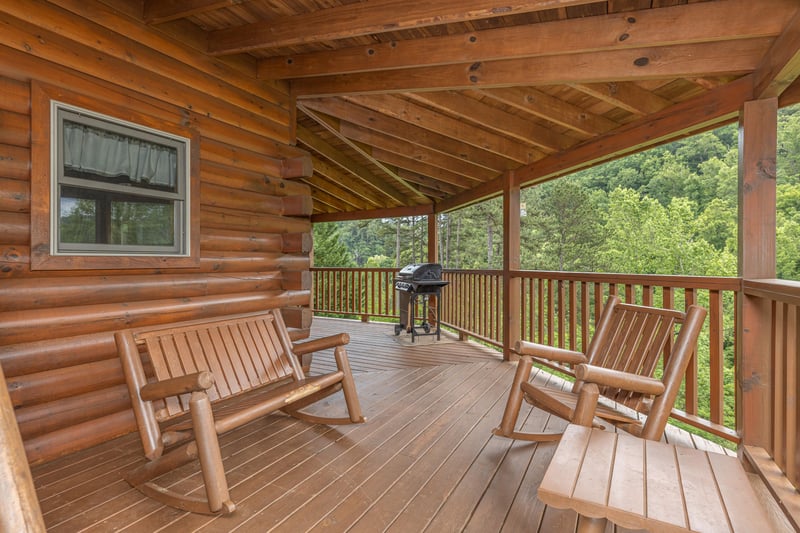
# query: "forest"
(669, 210)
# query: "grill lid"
(421, 272)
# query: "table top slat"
(741, 502)
(627, 491)
(663, 479)
(598, 464)
(704, 506)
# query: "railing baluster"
(715, 357)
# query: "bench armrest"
(619, 379)
(331, 341)
(159, 390)
(543, 351)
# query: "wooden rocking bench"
(247, 366)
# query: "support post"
(433, 239)
(512, 307)
(757, 192)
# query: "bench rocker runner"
(247, 366)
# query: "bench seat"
(211, 376)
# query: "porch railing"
(560, 309)
(777, 413)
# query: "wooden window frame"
(42, 257)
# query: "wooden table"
(642, 484)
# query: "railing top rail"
(780, 290)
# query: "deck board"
(426, 459)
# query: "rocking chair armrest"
(619, 379)
(542, 351)
(331, 341)
(199, 381)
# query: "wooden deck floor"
(424, 461)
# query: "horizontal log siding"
(56, 327)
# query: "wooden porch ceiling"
(415, 106)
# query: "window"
(118, 188)
(112, 187)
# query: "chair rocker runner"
(628, 343)
(247, 366)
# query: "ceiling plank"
(419, 167)
(550, 108)
(667, 62)
(348, 164)
(411, 194)
(781, 66)
(365, 18)
(495, 119)
(339, 184)
(733, 19)
(350, 112)
(450, 127)
(626, 95)
(158, 11)
(698, 114)
(472, 173)
(430, 186)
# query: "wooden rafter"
(158, 11)
(364, 18)
(698, 114)
(626, 95)
(781, 66)
(559, 112)
(402, 130)
(508, 124)
(349, 165)
(410, 191)
(449, 126)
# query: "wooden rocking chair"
(628, 343)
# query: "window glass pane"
(90, 216)
(98, 154)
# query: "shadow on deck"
(425, 460)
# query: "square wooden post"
(512, 307)
(433, 238)
(758, 126)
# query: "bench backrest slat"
(242, 354)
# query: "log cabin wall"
(56, 327)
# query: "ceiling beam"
(666, 62)
(708, 110)
(729, 20)
(366, 18)
(781, 65)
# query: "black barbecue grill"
(419, 285)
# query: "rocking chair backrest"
(631, 338)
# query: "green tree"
(329, 251)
